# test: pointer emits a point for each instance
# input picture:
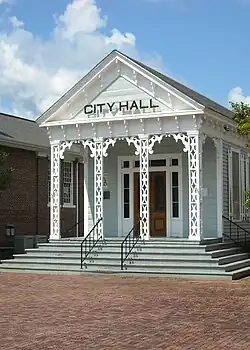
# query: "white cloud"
(5, 2)
(34, 73)
(237, 95)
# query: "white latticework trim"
(98, 185)
(195, 195)
(63, 146)
(55, 192)
(106, 144)
(142, 146)
(144, 186)
(181, 137)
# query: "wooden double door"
(157, 202)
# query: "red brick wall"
(25, 204)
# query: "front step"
(178, 257)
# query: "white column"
(219, 174)
(144, 186)
(144, 146)
(55, 232)
(195, 195)
(98, 184)
(86, 205)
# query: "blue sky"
(202, 43)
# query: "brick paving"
(78, 312)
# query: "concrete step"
(236, 265)
(163, 273)
(62, 264)
(224, 252)
(114, 261)
(233, 258)
(189, 273)
(116, 248)
(114, 254)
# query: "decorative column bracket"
(180, 137)
(98, 149)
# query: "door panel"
(157, 202)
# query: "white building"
(152, 149)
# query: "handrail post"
(89, 243)
(128, 244)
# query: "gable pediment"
(116, 89)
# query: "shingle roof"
(22, 131)
(203, 100)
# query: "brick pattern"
(25, 204)
(113, 312)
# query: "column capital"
(55, 142)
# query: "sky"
(46, 46)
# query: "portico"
(145, 145)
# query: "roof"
(203, 100)
(22, 131)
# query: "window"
(158, 162)
(174, 162)
(175, 194)
(126, 199)
(152, 163)
(67, 185)
(125, 164)
(235, 186)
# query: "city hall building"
(154, 152)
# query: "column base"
(54, 237)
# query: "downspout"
(37, 194)
(77, 198)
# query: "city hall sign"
(125, 107)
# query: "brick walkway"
(104, 312)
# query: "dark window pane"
(126, 164)
(158, 162)
(175, 194)
(174, 162)
(160, 202)
(175, 210)
(175, 181)
(126, 195)
(126, 211)
(137, 164)
(126, 180)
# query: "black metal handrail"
(239, 228)
(130, 242)
(89, 242)
(73, 226)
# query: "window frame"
(64, 204)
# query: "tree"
(241, 113)
(5, 173)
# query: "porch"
(168, 190)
